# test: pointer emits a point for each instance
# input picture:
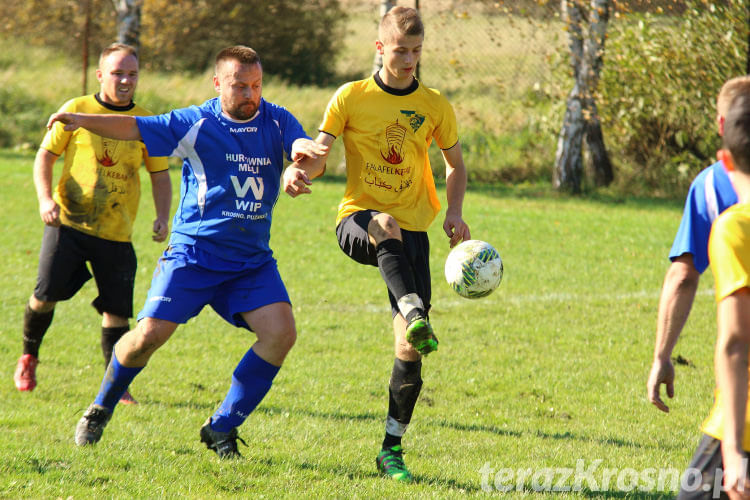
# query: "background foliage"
(503, 65)
(294, 38)
(658, 94)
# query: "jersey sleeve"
(729, 250)
(334, 119)
(695, 228)
(154, 163)
(291, 130)
(56, 139)
(446, 131)
(162, 133)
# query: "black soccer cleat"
(223, 443)
(90, 427)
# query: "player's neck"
(393, 82)
(741, 183)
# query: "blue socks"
(116, 380)
(251, 381)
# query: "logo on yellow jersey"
(394, 143)
(106, 159)
(415, 120)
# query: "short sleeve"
(334, 118)
(446, 131)
(56, 139)
(162, 133)
(695, 227)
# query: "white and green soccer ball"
(474, 269)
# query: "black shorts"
(355, 242)
(63, 271)
(704, 477)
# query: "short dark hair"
(239, 53)
(117, 47)
(737, 132)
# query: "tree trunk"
(568, 159)
(128, 21)
(582, 116)
(593, 62)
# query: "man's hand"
(161, 230)
(662, 372)
(456, 229)
(736, 483)
(295, 181)
(70, 120)
(49, 211)
(307, 148)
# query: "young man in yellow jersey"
(388, 122)
(89, 217)
(721, 456)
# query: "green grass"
(548, 370)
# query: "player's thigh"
(114, 265)
(251, 292)
(354, 239)
(180, 288)
(704, 476)
(62, 264)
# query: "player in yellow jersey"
(89, 217)
(388, 122)
(721, 456)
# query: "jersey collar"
(408, 90)
(112, 107)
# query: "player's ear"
(99, 75)
(725, 157)
(217, 84)
(379, 47)
(720, 122)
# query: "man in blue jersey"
(233, 150)
(711, 193)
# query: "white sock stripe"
(394, 427)
(408, 303)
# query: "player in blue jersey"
(711, 193)
(233, 151)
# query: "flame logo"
(394, 137)
(106, 160)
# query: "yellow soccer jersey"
(386, 136)
(729, 253)
(99, 187)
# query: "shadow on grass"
(342, 471)
(462, 427)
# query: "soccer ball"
(474, 269)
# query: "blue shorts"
(186, 279)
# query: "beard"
(243, 111)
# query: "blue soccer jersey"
(231, 175)
(711, 193)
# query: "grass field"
(547, 374)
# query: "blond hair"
(117, 47)
(400, 21)
(731, 88)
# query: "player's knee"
(41, 306)
(383, 226)
(286, 338)
(146, 339)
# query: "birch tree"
(581, 116)
(128, 21)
